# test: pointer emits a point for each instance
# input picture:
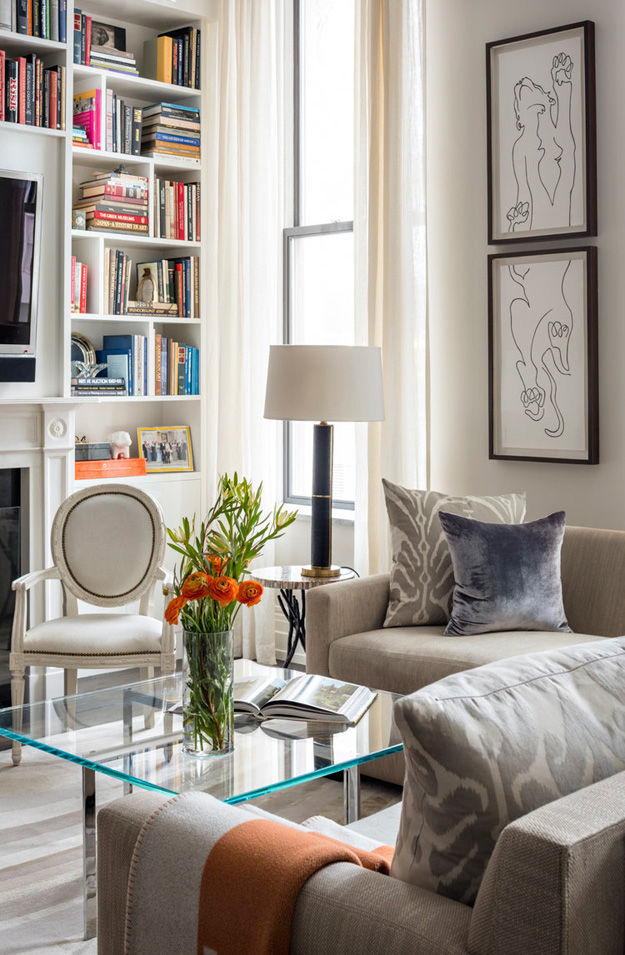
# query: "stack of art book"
(171, 130)
(115, 201)
(30, 94)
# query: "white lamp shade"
(324, 383)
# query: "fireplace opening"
(10, 568)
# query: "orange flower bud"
(215, 562)
(195, 586)
(223, 590)
(173, 609)
(250, 592)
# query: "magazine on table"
(306, 697)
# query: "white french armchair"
(108, 544)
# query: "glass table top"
(105, 730)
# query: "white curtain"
(390, 255)
(245, 171)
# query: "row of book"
(169, 129)
(115, 201)
(177, 210)
(87, 114)
(94, 45)
(170, 281)
(42, 18)
(125, 357)
(78, 282)
(176, 367)
(30, 94)
(174, 57)
(123, 125)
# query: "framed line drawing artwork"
(542, 164)
(166, 448)
(542, 356)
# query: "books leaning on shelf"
(86, 113)
(176, 367)
(126, 357)
(93, 45)
(30, 94)
(123, 125)
(99, 386)
(117, 273)
(171, 130)
(43, 18)
(305, 697)
(78, 286)
(169, 281)
(177, 210)
(174, 57)
(115, 201)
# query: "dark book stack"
(115, 201)
(174, 57)
(176, 367)
(98, 386)
(93, 45)
(177, 210)
(43, 18)
(123, 125)
(172, 282)
(171, 130)
(31, 94)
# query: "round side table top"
(291, 577)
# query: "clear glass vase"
(207, 703)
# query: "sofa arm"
(556, 881)
(335, 610)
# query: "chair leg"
(17, 700)
(147, 673)
(70, 688)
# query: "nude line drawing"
(541, 323)
(543, 156)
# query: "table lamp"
(324, 383)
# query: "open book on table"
(305, 697)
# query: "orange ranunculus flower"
(223, 589)
(215, 562)
(173, 609)
(250, 592)
(195, 586)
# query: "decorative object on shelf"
(167, 448)
(210, 586)
(82, 352)
(88, 370)
(120, 442)
(78, 219)
(146, 286)
(107, 36)
(91, 450)
(542, 164)
(543, 374)
(104, 469)
(324, 383)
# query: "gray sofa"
(346, 639)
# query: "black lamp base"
(321, 517)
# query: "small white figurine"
(120, 444)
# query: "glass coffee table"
(129, 733)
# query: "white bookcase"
(63, 166)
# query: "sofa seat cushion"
(96, 634)
(404, 659)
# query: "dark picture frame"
(542, 141)
(543, 356)
(165, 448)
(107, 36)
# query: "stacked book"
(80, 138)
(89, 50)
(174, 57)
(87, 107)
(30, 94)
(108, 58)
(175, 282)
(98, 386)
(176, 367)
(43, 18)
(177, 210)
(78, 283)
(115, 201)
(123, 125)
(126, 357)
(171, 130)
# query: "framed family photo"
(167, 448)
(542, 167)
(542, 344)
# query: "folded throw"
(207, 878)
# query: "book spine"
(2, 86)
(77, 276)
(174, 62)
(72, 285)
(54, 20)
(136, 131)
(119, 266)
(83, 288)
(180, 371)
(193, 56)
(11, 91)
(63, 21)
(38, 82)
(29, 7)
(128, 267)
(127, 127)
(87, 41)
(117, 216)
(164, 366)
(198, 71)
(62, 88)
(196, 287)
(45, 19)
(109, 120)
(158, 357)
(189, 233)
(180, 214)
(36, 17)
(83, 39)
(107, 265)
(180, 43)
(53, 99)
(77, 36)
(22, 16)
(29, 118)
(185, 60)
(21, 90)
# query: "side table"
(289, 580)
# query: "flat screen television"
(20, 243)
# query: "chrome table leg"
(351, 794)
(89, 850)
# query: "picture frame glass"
(166, 448)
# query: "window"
(319, 247)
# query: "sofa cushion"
(404, 659)
(507, 576)
(421, 573)
(486, 747)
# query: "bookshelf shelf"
(123, 238)
(147, 319)
(138, 87)
(32, 130)
(135, 399)
(100, 157)
(22, 43)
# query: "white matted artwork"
(543, 394)
(541, 134)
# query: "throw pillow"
(507, 575)
(486, 746)
(421, 574)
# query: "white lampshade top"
(324, 383)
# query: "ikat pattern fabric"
(422, 580)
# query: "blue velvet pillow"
(507, 575)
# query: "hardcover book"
(306, 697)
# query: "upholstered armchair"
(107, 545)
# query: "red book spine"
(72, 290)
(54, 93)
(21, 96)
(83, 288)
(88, 43)
(178, 288)
(118, 216)
(2, 90)
(181, 215)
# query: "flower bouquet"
(210, 586)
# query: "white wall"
(457, 31)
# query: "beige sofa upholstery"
(554, 886)
(345, 637)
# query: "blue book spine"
(119, 360)
(195, 371)
(124, 343)
(187, 370)
(180, 140)
(164, 378)
(62, 21)
(77, 35)
(145, 365)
